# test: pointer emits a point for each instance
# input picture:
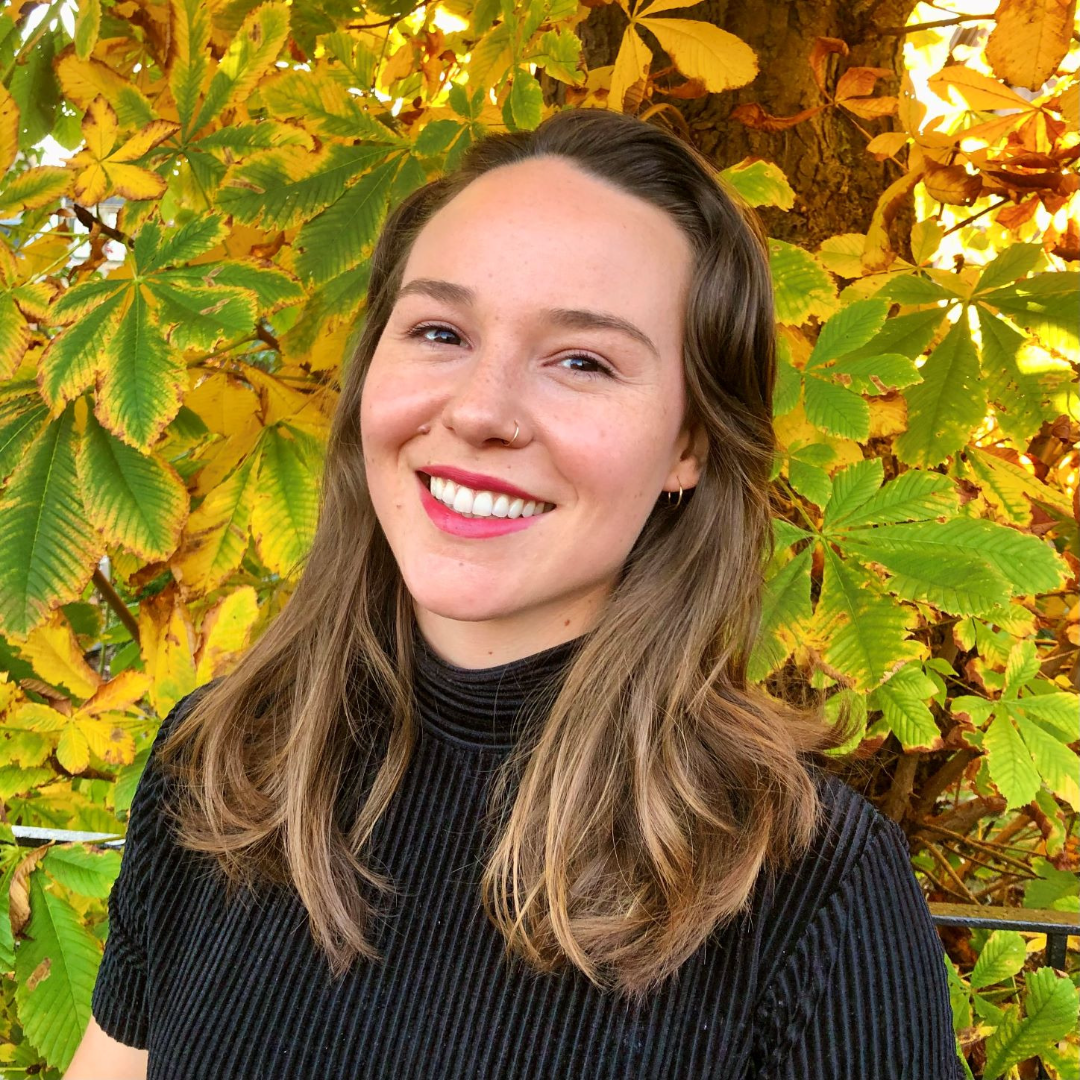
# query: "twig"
(969, 220)
(90, 219)
(112, 598)
(893, 31)
(947, 866)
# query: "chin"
(460, 602)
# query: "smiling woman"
(509, 693)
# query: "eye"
(424, 329)
(599, 368)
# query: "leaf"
(1050, 1005)
(251, 53)
(142, 379)
(55, 969)
(9, 129)
(980, 92)
(786, 603)
(1003, 955)
(1048, 305)
(847, 330)
(189, 37)
(336, 240)
(1018, 396)
(902, 699)
(760, 183)
(1029, 40)
(947, 405)
(835, 409)
(1062, 710)
(907, 335)
(852, 487)
(631, 67)
(1011, 766)
(526, 100)
(702, 51)
(1016, 261)
(1057, 764)
(87, 25)
(285, 507)
(865, 630)
(133, 499)
(34, 188)
(201, 316)
(157, 248)
(87, 872)
(803, 285)
(225, 632)
(325, 106)
(49, 548)
(167, 640)
(57, 656)
(876, 374)
(21, 418)
(273, 288)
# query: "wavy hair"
(660, 784)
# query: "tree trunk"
(836, 181)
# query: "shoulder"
(855, 849)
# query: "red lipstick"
(473, 528)
(480, 482)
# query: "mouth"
(479, 503)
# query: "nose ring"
(517, 428)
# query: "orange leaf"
(952, 184)
(823, 48)
(870, 108)
(754, 116)
(859, 82)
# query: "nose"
(485, 399)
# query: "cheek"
(392, 408)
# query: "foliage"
(177, 294)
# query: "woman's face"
(543, 297)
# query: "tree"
(177, 289)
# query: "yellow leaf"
(145, 140)
(665, 5)
(107, 741)
(878, 252)
(226, 630)
(631, 67)
(223, 402)
(702, 51)
(1030, 40)
(9, 129)
(133, 182)
(73, 751)
(977, 90)
(887, 143)
(84, 80)
(99, 128)
(57, 656)
(120, 692)
(33, 716)
(167, 640)
(91, 185)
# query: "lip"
(473, 528)
(480, 482)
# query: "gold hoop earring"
(517, 428)
(677, 501)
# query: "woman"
(508, 696)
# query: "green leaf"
(156, 248)
(866, 629)
(201, 316)
(785, 604)
(847, 330)
(87, 25)
(902, 700)
(250, 55)
(21, 418)
(1022, 666)
(807, 474)
(907, 335)
(947, 405)
(914, 495)
(526, 100)
(876, 374)
(803, 287)
(1048, 305)
(50, 549)
(1050, 1007)
(142, 381)
(913, 289)
(336, 240)
(760, 183)
(273, 288)
(852, 487)
(283, 188)
(1016, 261)
(1003, 955)
(436, 137)
(55, 969)
(1055, 889)
(1062, 710)
(787, 389)
(558, 53)
(190, 32)
(1011, 767)
(1057, 764)
(325, 106)
(835, 409)
(133, 499)
(70, 363)
(286, 507)
(86, 872)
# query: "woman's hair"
(641, 811)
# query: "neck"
(490, 642)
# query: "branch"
(914, 28)
(90, 219)
(898, 801)
(112, 598)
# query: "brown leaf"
(859, 81)
(823, 48)
(754, 116)
(952, 184)
(19, 890)
(692, 88)
(1030, 40)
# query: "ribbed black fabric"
(836, 973)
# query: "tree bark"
(836, 181)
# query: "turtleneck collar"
(484, 708)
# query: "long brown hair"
(660, 784)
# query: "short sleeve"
(864, 994)
(119, 1002)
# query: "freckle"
(566, 622)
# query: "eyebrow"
(571, 318)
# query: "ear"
(693, 448)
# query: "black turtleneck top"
(835, 973)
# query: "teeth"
(469, 503)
